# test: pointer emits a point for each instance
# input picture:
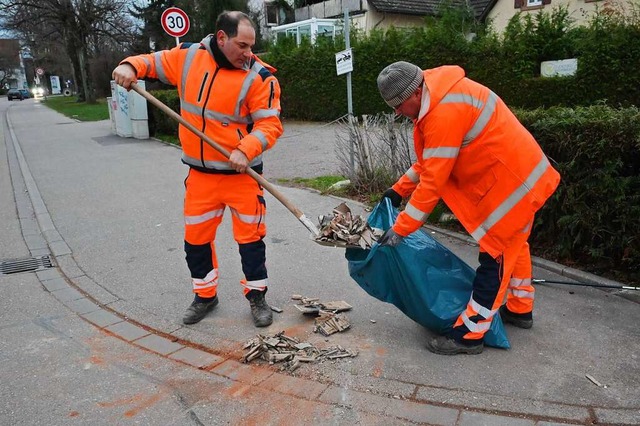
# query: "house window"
(271, 13)
(530, 4)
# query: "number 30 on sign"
(175, 22)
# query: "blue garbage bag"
(421, 277)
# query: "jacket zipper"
(204, 81)
(204, 108)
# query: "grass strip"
(83, 111)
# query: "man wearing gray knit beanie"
(474, 154)
(398, 81)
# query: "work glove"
(392, 195)
(390, 238)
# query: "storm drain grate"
(25, 265)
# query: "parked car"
(15, 94)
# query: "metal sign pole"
(177, 41)
(347, 43)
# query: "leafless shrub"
(374, 151)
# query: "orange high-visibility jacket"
(474, 154)
(237, 108)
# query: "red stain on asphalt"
(194, 391)
(95, 359)
(297, 331)
(123, 401)
(74, 414)
(143, 405)
(378, 364)
(238, 389)
(139, 401)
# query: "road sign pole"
(347, 43)
(177, 41)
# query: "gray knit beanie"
(398, 81)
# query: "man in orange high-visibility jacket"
(233, 97)
(474, 154)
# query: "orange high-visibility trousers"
(206, 198)
(494, 277)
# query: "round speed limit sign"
(175, 22)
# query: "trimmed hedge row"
(607, 50)
(594, 216)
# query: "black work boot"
(519, 320)
(445, 345)
(260, 309)
(198, 310)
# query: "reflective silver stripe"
(264, 113)
(146, 62)
(522, 294)
(440, 152)
(216, 165)
(191, 53)
(462, 98)
(520, 282)
(414, 213)
(481, 310)
(195, 220)
(511, 200)
(211, 114)
(211, 280)
(482, 120)
(224, 118)
(412, 175)
(159, 68)
(246, 85)
(247, 218)
(262, 138)
(515, 284)
(473, 327)
(256, 284)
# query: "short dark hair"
(228, 22)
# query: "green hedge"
(607, 49)
(594, 216)
(159, 122)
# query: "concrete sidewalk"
(109, 212)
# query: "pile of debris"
(329, 321)
(289, 350)
(313, 305)
(343, 229)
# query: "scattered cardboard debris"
(329, 323)
(313, 305)
(343, 229)
(290, 351)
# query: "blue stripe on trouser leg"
(199, 259)
(253, 257)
